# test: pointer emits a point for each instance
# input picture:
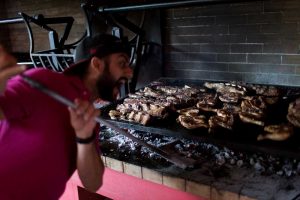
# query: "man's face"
(117, 71)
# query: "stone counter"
(210, 183)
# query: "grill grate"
(243, 137)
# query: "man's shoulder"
(46, 76)
(57, 81)
(41, 72)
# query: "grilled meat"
(136, 95)
(171, 90)
(271, 100)
(293, 120)
(123, 109)
(294, 108)
(269, 91)
(276, 132)
(192, 122)
(231, 108)
(227, 115)
(184, 99)
(159, 101)
(168, 89)
(192, 111)
(153, 108)
(151, 92)
(253, 119)
(253, 111)
(114, 114)
(206, 108)
(207, 99)
(217, 121)
(139, 117)
(136, 116)
(224, 118)
(226, 88)
(215, 86)
(293, 115)
(255, 106)
(190, 91)
(158, 111)
(230, 97)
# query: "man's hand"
(89, 165)
(82, 118)
(8, 67)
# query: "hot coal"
(120, 147)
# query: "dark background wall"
(18, 40)
(258, 41)
(253, 42)
(3, 29)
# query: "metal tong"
(181, 162)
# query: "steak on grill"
(192, 122)
(138, 117)
(230, 97)
(192, 111)
(208, 99)
(293, 115)
(253, 111)
(276, 132)
(226, 88)
(253, 119)
(224, 118)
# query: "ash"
(261, 163)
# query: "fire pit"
(122, 148)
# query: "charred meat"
(232, 108)
(276, 132)
(189, 111)
(269, 91)
(224, 119)
(293, 115)
(192, 122)
(254, 106)
(230, 97)
(253, 119)
(226, 88)
(208, 99)
(138, 117)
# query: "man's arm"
(8, 68)
(89, 164)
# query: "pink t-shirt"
(37, 145)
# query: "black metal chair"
(60, 56)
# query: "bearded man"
(42, 142)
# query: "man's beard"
(106, 85)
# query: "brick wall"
(18, 39)
(3, 29)
(254, 42)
